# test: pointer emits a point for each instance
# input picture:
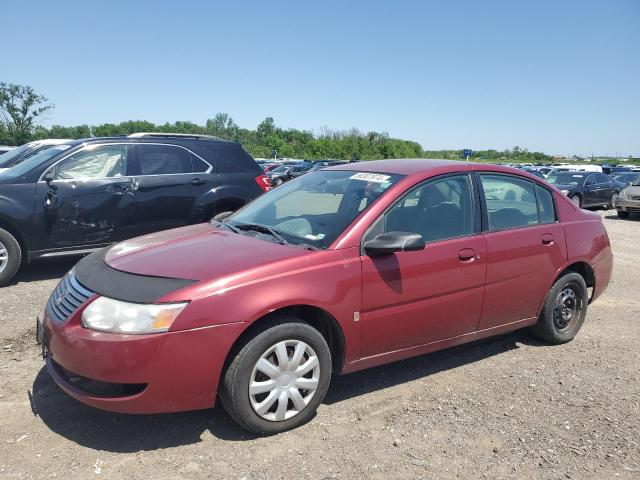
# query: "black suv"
(85, 194)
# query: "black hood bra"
(94, 273)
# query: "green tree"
(20, 106)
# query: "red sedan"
(336, 271)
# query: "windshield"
(566, 178)
(316, 208)
(7, 159)
(32, 162)
(637, 183)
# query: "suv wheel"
(278, 379)
(577, 200)
(564, 310)
(10, 257)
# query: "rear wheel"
(622, 214)
(612, 202)
(10, 257)
(278, 379)
(564, 310)
(277, 182)
(577, 199)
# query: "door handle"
(547, 239)
(197, 181)
(467, 255)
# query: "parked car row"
(281, 172)
(78, 196)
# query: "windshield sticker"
(370, 177)
(319, 236)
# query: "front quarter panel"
(328, 280)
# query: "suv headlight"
(108, 315)
(564, 192)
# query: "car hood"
(199, 252)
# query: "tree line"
(21, 108)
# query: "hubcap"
(567, 309)
(4, 257)
(614, 199)
(576, 200)
(284, 380)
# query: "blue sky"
(556, 76)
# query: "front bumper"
(156, 373)
(627, 205)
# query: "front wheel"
(278, 379)
(564, 310)
(10, 257)
(614, 198)
(277, 182)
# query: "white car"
(18, 155)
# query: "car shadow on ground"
(122, 433)
(45, 270)
(616, 217)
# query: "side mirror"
(48, 177)
(392, 242)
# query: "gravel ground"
(509, 407)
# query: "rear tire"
(577, 200)
(564, 310)
(622, 214)
(282, 402)
(612, 202)
(10, 257)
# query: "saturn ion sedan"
(339, 270)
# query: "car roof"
(177, 139)
(425, 166)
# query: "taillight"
(264, 182)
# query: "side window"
(546, 207)
(602, 178)
(103, 161)
(511, 202)
(198, 165)
(163, 160)
(437, 210)
(590, 180)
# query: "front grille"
(66, 298)
(635, 197)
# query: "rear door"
(525, 247)
(415, 298)
(170, 180)
(605, 188)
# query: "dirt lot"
(510, 407)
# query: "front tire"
(278, 379)
(10, 257)
(612, 202)
(564, 310)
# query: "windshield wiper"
(228, 225)
(263, 229)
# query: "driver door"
(85, 197)
(419, 297)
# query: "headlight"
(564, 192)
(108, 315)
